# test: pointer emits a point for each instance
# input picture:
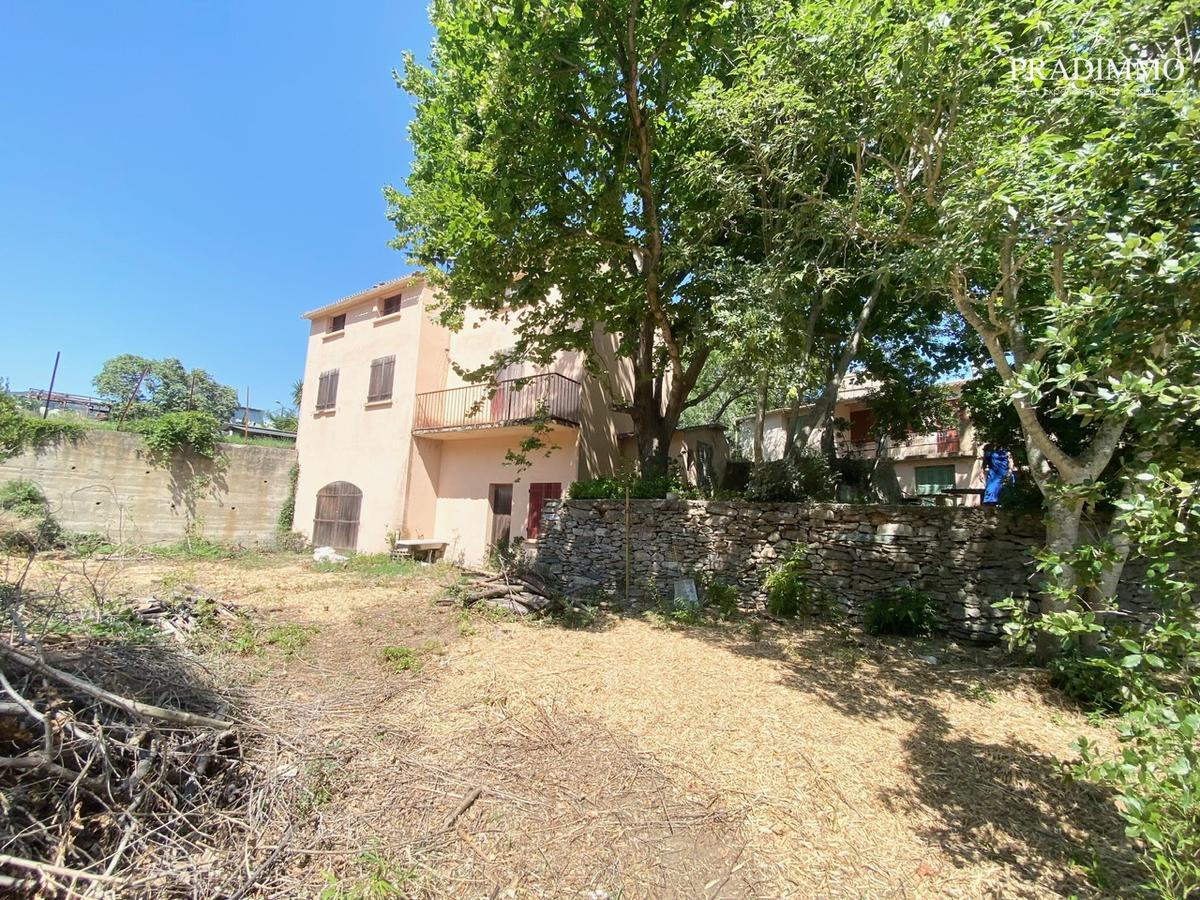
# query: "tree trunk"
(1059, 592)
(760, 419)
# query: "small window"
(390, 307)
(337, 323)
(327, 390)
(382, 373)
(861, 422)
(539, 493)
(934, 479)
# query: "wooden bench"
(418, 548)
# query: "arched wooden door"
(336, 521)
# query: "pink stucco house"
(394, 444)
(947, 465)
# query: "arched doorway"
(336, 521)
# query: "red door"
(539, 493)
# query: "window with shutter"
(327, 390)
(337, 323)
(382, 374)
(390, 306)
(539, 493)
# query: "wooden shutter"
(382, 374)
(327, 390)
(861, 421)
(539, 493)
(335, 523)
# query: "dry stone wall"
(964, 558)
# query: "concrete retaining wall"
(963, 558)
(104, 483)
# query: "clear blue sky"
(184, 179)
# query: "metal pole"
(191, 391)
(246, 415)
(50, 393)
(137, 387)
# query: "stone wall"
(104, 483)
(962, 558)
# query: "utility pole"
(246, 415)
(50, 393)
(137, 387)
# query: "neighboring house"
(925, 464)
(394, 443)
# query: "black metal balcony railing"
(514, 401)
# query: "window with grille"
(335, 523)
(934, 479)
(327, 390)
(539, 493)
(337, 323)
(383, 371)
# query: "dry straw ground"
(633, 759)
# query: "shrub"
(175, 432)
(789, 594)
(650, 487)
(21, 430)
(721, 597)
(901, 610)
(792, 480)
(737, 476)
(287, 512)
(596, 489)
(28, 518)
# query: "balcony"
(918, 446)
(517, 401)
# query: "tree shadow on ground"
(1007, 803)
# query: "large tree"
(807, 280)
(549, 185)
(158, 386)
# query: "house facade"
(393, 443)
(926, 465)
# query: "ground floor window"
(336, 521)
(934, 479)
(539, 493)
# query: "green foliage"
(1157, 776)
(408, 659)
(166, 388)
(178, 432)
(902, 610)
(381, 879)
(602, 488)
(289, 638)
(799, 479)
(1082, 679)
(195, 547)
(22, 430)
(790, 593)
(644, 487)
(372, 565)
(29, 523)
(580, 166)
(722, 598)
(287, 512)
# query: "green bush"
(21, 430)
(792, 480)
(651, 487)
(721, 597)
(901, 610)
(175, 432)
(596, 489)
(1090, 681)
(789, 593)
(25, 503)
(287, 512)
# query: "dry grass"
(639, 761)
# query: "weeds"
(903, 611)
(408, 659)
(382, 878)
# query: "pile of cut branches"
(181, 615)
(514, 589)
(122, 769)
